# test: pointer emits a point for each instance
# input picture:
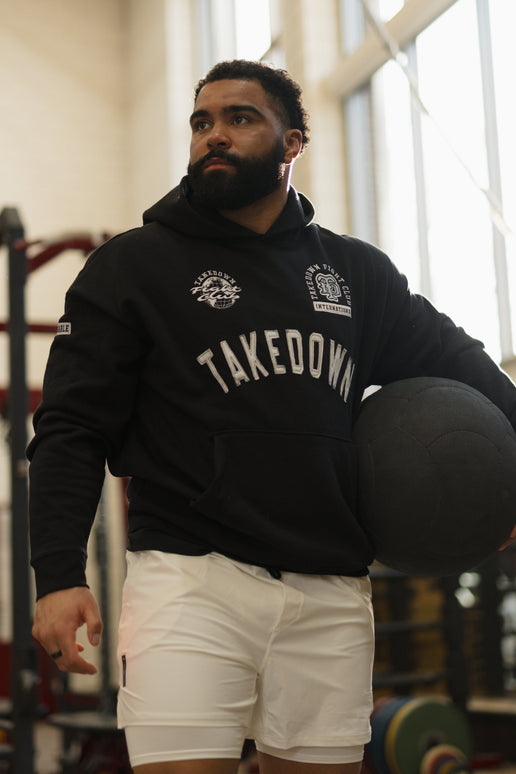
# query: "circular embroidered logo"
(217, 289)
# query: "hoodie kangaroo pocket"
(282, 488)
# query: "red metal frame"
(42, 251)
(52, 247)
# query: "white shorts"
(214, 651)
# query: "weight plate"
(461, 768)
(436, 755)
(448, 766)
(420, 725)
(379, 703)
(382, 716)
(367, 766)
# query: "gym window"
(436, 171)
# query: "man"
(218, 355)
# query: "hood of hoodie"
(176, 211)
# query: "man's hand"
(56, 619)
(510, 539)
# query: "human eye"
(241, 119)
(200, 125)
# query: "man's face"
(237, 152)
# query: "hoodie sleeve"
(417, 340)
(88, 396)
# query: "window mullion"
(425, 278)
(359, 144)
(495, 182)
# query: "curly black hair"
(279, 85)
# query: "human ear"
(293, 143)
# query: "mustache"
(214, 154)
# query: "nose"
(218, 137)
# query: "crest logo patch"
(328, 290)
(217, 289)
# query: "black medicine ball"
(437, 475)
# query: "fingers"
(66, 654)
(71, 660)
(56, 619)
(75, 664)
(93, 624)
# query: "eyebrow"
(228, 110)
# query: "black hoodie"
(221, 370)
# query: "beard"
(250, 179)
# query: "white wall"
(93, 127)
(63, 153)
(311, 47)
(160, 74)
(146, 85)
(62, 143)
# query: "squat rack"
(24, 670)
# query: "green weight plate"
(420, 725)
